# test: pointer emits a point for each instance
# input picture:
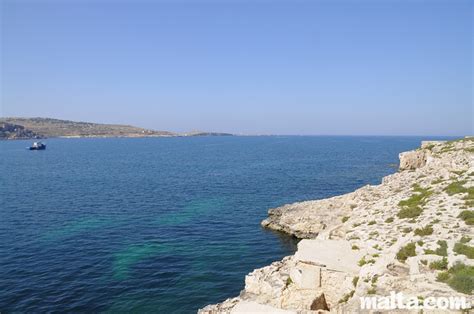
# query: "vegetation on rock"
(442, 249)
(460, 277)
(412, 207)
(425, 231)
(441, 264)
(464, 249)
(406, 252)
(467, 216)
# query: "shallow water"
(160, 224)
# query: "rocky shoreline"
(413, 233)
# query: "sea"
(161, 225)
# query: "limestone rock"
(413, 160)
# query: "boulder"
(413, 159)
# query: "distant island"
(34, 128)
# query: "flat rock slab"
(333, 254)
(254, 307)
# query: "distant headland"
(31, 128)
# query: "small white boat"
(37, 146)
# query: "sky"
(354, 67)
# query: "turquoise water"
(160, 224)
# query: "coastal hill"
(413, 233)
(29, 128)
(47, 127)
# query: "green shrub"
(417, 188)
(373, 222)
(355, 280)
(441, 264)
(374, 279)
(465, 239)
(464, 249)
(347, 296)
(409, 212)
(442, 249)
(355, 247)
(345, 218)
(460, 277)
(406, 251)
(412, 207)
(363, 261)
(467, 216)
(455, 188)
(427, 230)
(443, 276)
(389, 220)
(469, 198)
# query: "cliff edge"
(413, 234)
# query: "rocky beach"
(413, 233)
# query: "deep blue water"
(160, 224)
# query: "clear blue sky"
(280, 67)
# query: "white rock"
(250, 307)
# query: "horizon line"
(246, 134)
